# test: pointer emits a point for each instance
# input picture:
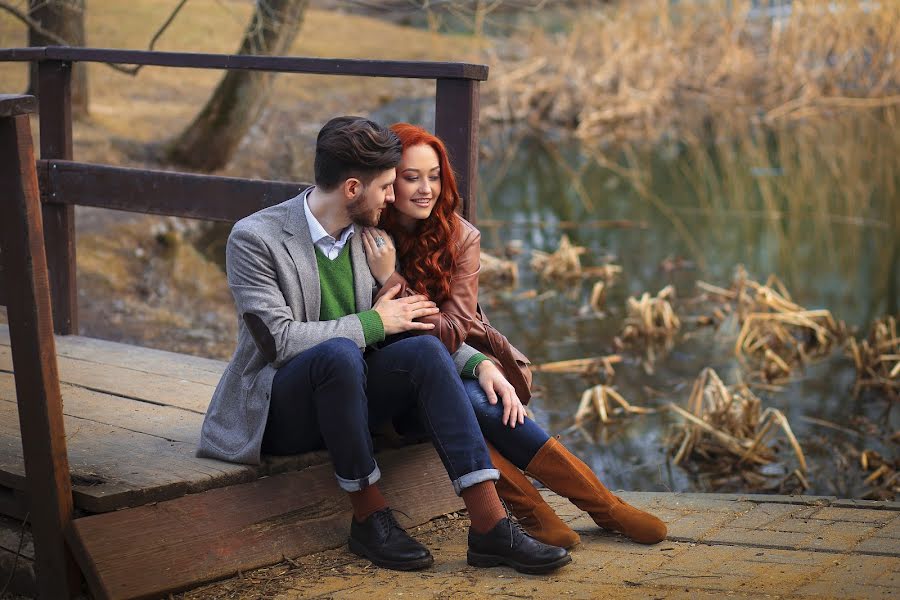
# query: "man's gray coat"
(272, 272)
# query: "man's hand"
(495, 384)
(380, 253)
(400, 314)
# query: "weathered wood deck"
(132, 419)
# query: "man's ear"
(352, 188)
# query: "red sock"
(483, 503)
(366, 501)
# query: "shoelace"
(513, 524)
(387, 520)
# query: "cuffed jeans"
(330, 395)
(519, 444)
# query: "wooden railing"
(65, 183)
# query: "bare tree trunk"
(65, 19)
(214, 135)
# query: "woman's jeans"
(519, 444)
(330, 395)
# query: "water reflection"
(815, 203)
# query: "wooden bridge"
(101, 463)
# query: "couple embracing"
(357, 306)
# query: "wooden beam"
(34, 357)
(150, 551)
(15, 104)
(54, 88)
(161, 192)
(282, 64)
(456, 123)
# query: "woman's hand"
(495, 384)
(380, 253)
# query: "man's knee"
(430, 347)
(341, 356)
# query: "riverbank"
(739, 546)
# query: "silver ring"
(379, 242)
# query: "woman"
(417, 228)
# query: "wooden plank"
(456, 123)
(17, 104)
(126, 453)
(54, 86)
(15, 536)
(129, 383)
(19, 571)
(162, 192)
(13, 503)
(282, 64)
(150, 551)
(148, 360)
(37, 383)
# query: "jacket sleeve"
(458, 311)
(260, 303)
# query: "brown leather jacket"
(460, 318)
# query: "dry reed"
(877, 359)
(497, 272)
(564, 264)
(725, 427)
(647, 69)
(604, 402)
(777, 335)
(582, 366)
(651, 325)
(884, 479)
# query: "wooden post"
(54, 88)
(456, 123)
(34, 353)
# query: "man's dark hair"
(354, 147)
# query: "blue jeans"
(330, 395)
(519, 444)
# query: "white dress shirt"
(326, 243)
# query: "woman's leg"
(565, 474)
(519, 444)
(548, 461)
(519, 494)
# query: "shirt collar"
(316, 230)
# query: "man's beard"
(358, 213)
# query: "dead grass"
(652, 68)
(726, 428)
(877, 359)
(603, 402)
(650, 326)
(564, 264)
(498, 273)
(777, 336)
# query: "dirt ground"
(719, 546)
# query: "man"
(300, 380)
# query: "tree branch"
(34, 25)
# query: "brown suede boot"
(529, 507)
(563, 473)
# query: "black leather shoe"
(381, 539)
(508, 544)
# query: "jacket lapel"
(300, 246)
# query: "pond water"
(816, 204)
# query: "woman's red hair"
(428, 252)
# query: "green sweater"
(338, 297)
(338, 300)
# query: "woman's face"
(418, 183)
